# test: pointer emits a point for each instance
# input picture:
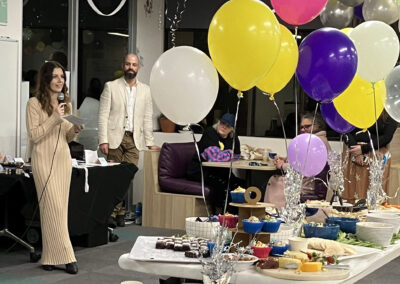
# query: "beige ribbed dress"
(43, 132)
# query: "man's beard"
(130, 75)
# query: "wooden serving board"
(291, 274)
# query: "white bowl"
(389, 218)
(298, 244)
(201, 229)
(377, 233)
(244, 263)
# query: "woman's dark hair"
(319, 123)
(43, 88)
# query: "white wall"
(150, 45)
(13, 30)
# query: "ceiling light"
(118, 34)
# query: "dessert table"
(362, 265)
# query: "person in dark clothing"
(220, 135)
(357, 170)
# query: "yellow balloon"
(347, 31)
(244, 41)
(356, 103)
(284, 66)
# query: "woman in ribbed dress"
(49, 134)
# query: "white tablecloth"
(360, 267)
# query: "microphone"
(60, 98)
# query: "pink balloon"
(309, 164)
(298, 12)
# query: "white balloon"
(336, 15)
(392, 99)
(184, 84)
(377, 48)
(351, 3)
(381, 10)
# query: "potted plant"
(166, 124)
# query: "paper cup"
(298, 244)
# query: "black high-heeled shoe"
(48, 267)
(71, 268)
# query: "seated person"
(312, 187)
(220, 135)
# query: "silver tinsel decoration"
(176, 19)
(336, 168)
(294, 212)
(148, 7)
(218, 269)
(375, 192)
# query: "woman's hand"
(279, 161)
(59, 109)
(355, 150)
(78, 128)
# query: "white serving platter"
(145, 250)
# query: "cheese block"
(311, 267)
(296, 254)
(283, 261)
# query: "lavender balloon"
(334, 119)
(311, 162)
(327, 64)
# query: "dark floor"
(99, 264)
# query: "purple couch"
(172, 165)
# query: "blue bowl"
(347, 225)
(311, 211)
(238, 197)
(327, 231)
(278, 250)
(271, 155)
(252, 227)
(210, 246)
(271, 227)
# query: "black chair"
(8, 182)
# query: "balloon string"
(372, 145)
(201, 167)
(295, 89)
(280, 117)
(376, 119)
(240, 96)
(309, 140)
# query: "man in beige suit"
(125, 121)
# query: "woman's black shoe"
(71, 268)
(48, 267)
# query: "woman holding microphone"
(49, 135)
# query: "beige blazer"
(113, 113)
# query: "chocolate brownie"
(192, 253)
(160, 244)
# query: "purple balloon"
(327, 64)
(334, 119)
(316, 157)
(358, 12)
